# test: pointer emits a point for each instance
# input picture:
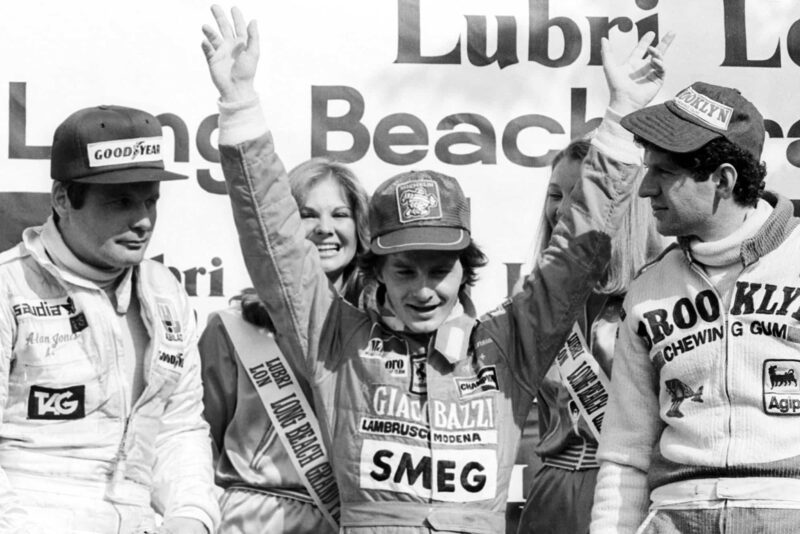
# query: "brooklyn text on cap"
(419, 210)
(109, 145)
(700, 113)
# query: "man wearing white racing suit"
(99, 373)
(422, 426)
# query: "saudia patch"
(781, 388)
(418, 200)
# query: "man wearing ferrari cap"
(420, 402)
(702, 435)
(101, 424)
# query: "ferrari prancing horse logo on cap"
(418, 200)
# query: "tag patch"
(53, 403)
(121, 151)
(711, 112)
(418, 200)
(486, 380)
(780, 386)
(169, 319)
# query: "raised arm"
(283, 265)
(576, 257)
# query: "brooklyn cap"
(700, 113)
(418, 210)
(109, 145)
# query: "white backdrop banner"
(486, 91)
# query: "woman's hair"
(472, 258)
(302, 179)
(308, 174)
(635, 243)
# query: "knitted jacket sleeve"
(631, 427)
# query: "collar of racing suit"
(452, 337)
(48, 245)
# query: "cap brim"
(666, 130)
(129, 176)
(421, 238)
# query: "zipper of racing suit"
(120, 457)
(723, 309)
(428, 351)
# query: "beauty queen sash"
(585, 380)
(288, 410)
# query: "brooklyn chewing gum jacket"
(66, 413)
(422, 432)
(701, 389)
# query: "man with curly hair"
(698, 437)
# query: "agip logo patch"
(781, 388)
(418, 200)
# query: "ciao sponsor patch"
(173, 331)
(450, 475)
(56, 403)
(485, 380)
(780, 386)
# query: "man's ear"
(725, 177)
(58, 199)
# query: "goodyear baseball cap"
(700, 113)
(109, 145)
(418, 210)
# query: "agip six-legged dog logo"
(780, 387)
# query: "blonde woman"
(560, 500)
